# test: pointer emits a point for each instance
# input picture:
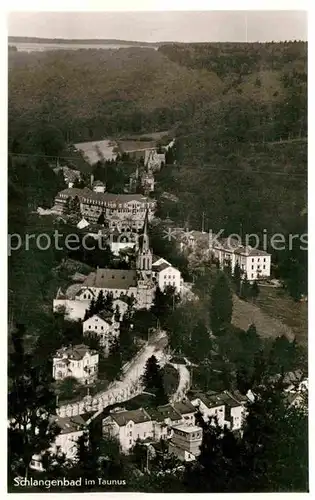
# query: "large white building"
(227, 408)
(77, 361)
(104, 327)
(154, 424)
(117, 208)
(167, 275)
(253, 262)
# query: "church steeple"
(144, 257)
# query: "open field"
(274, 314)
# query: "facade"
(71, 429)
(115, 207)
(104, 327)
(77, 361)
(128, 427)
(167, 275)
(227, 408)
(121, 305)
(121, 240)
(151, 423)
(185, 442)
(154, 160)
(253, 262)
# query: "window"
(84, 296)
(252, 267)
(130, 441)
(144, 434)
(264, 267)
(102, 328)
(258, 259)
(252, 275)
(252, 260)
(130, 433)
(264, 259)
(90, 327)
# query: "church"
(137, 283)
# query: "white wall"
(216, 411)
(170, 277)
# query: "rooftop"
(165, 411)
(184, 407)
(87, 193)
(75, 352)
(112, 278)
(189, 429)
(234, 245)
(137, 416)
(130, 146)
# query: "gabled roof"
(163, 412)
(112, 278)
(123, 417)
(75, 352)
(184, 407)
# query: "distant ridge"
(93, 41)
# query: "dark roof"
(112, 278)
(161, 267)
(137, 416)
(87, 193)
(168, 411)
(75, 352)
(74, 423)
(210, 399)
(184, 407)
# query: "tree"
(254, 290)
(100, 303)
(109, 302)
(200, 342)
(101, 219)
(31, 405)
(221, 305)
(153, 380)
(237, 276)
(245, 288)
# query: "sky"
(206, 26)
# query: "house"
(66, 442)
(187, 411)
(128, 426)
(254, 263)
(121, 240)
(70, 175)
(77, 361)
(73, 306)
(121, 305)
(104, 327)
(167, 275)
(164, 417)
(153, 160)
(147, 182)
(136, 149)
(210, 405)
(130, 208)
(227, 408)
(99, 187)
(185, 442)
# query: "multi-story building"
(115, 207)
(167, 275)
(154, 160)
(66, 442)
(151, 423)
(185, 442)
(128, 426)
(253, 262)
(104, 327)
(77, 361)
(225, 408)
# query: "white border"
(144, 5)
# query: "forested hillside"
(239, 112)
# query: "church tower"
(144, 254)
